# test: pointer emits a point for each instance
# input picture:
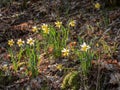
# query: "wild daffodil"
(72, 23)
(97, 6)
(20, 42)
(65, 52)
(11, 42)
(59, 67)
(84, 47)
(45, 28)
(5, 67)
(58, 24)
(30, 41)
(34, 29)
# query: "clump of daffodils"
(72, 23)
(35, 29)
(97, 6)
(30, 41)
(20, 42)
(65, 52)
(58, 24)
(11, 42)
(84, 47)
(45, 28)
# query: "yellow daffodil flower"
(97, 45)
(65, 52)
(20, 42)
(45, 28)
(59, 67)
(5, 67)
(46, 31)
(58, 24)
(30, 41)
(84, 47)
(97, 6)
(72, 23)
(11, 42)
(34, 29)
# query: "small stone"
(0, 15)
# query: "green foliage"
(107, 49)
(13, 59)
(32, 60)
(106, 19)
(85, 60)
(71, 81)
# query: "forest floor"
(104, 24)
